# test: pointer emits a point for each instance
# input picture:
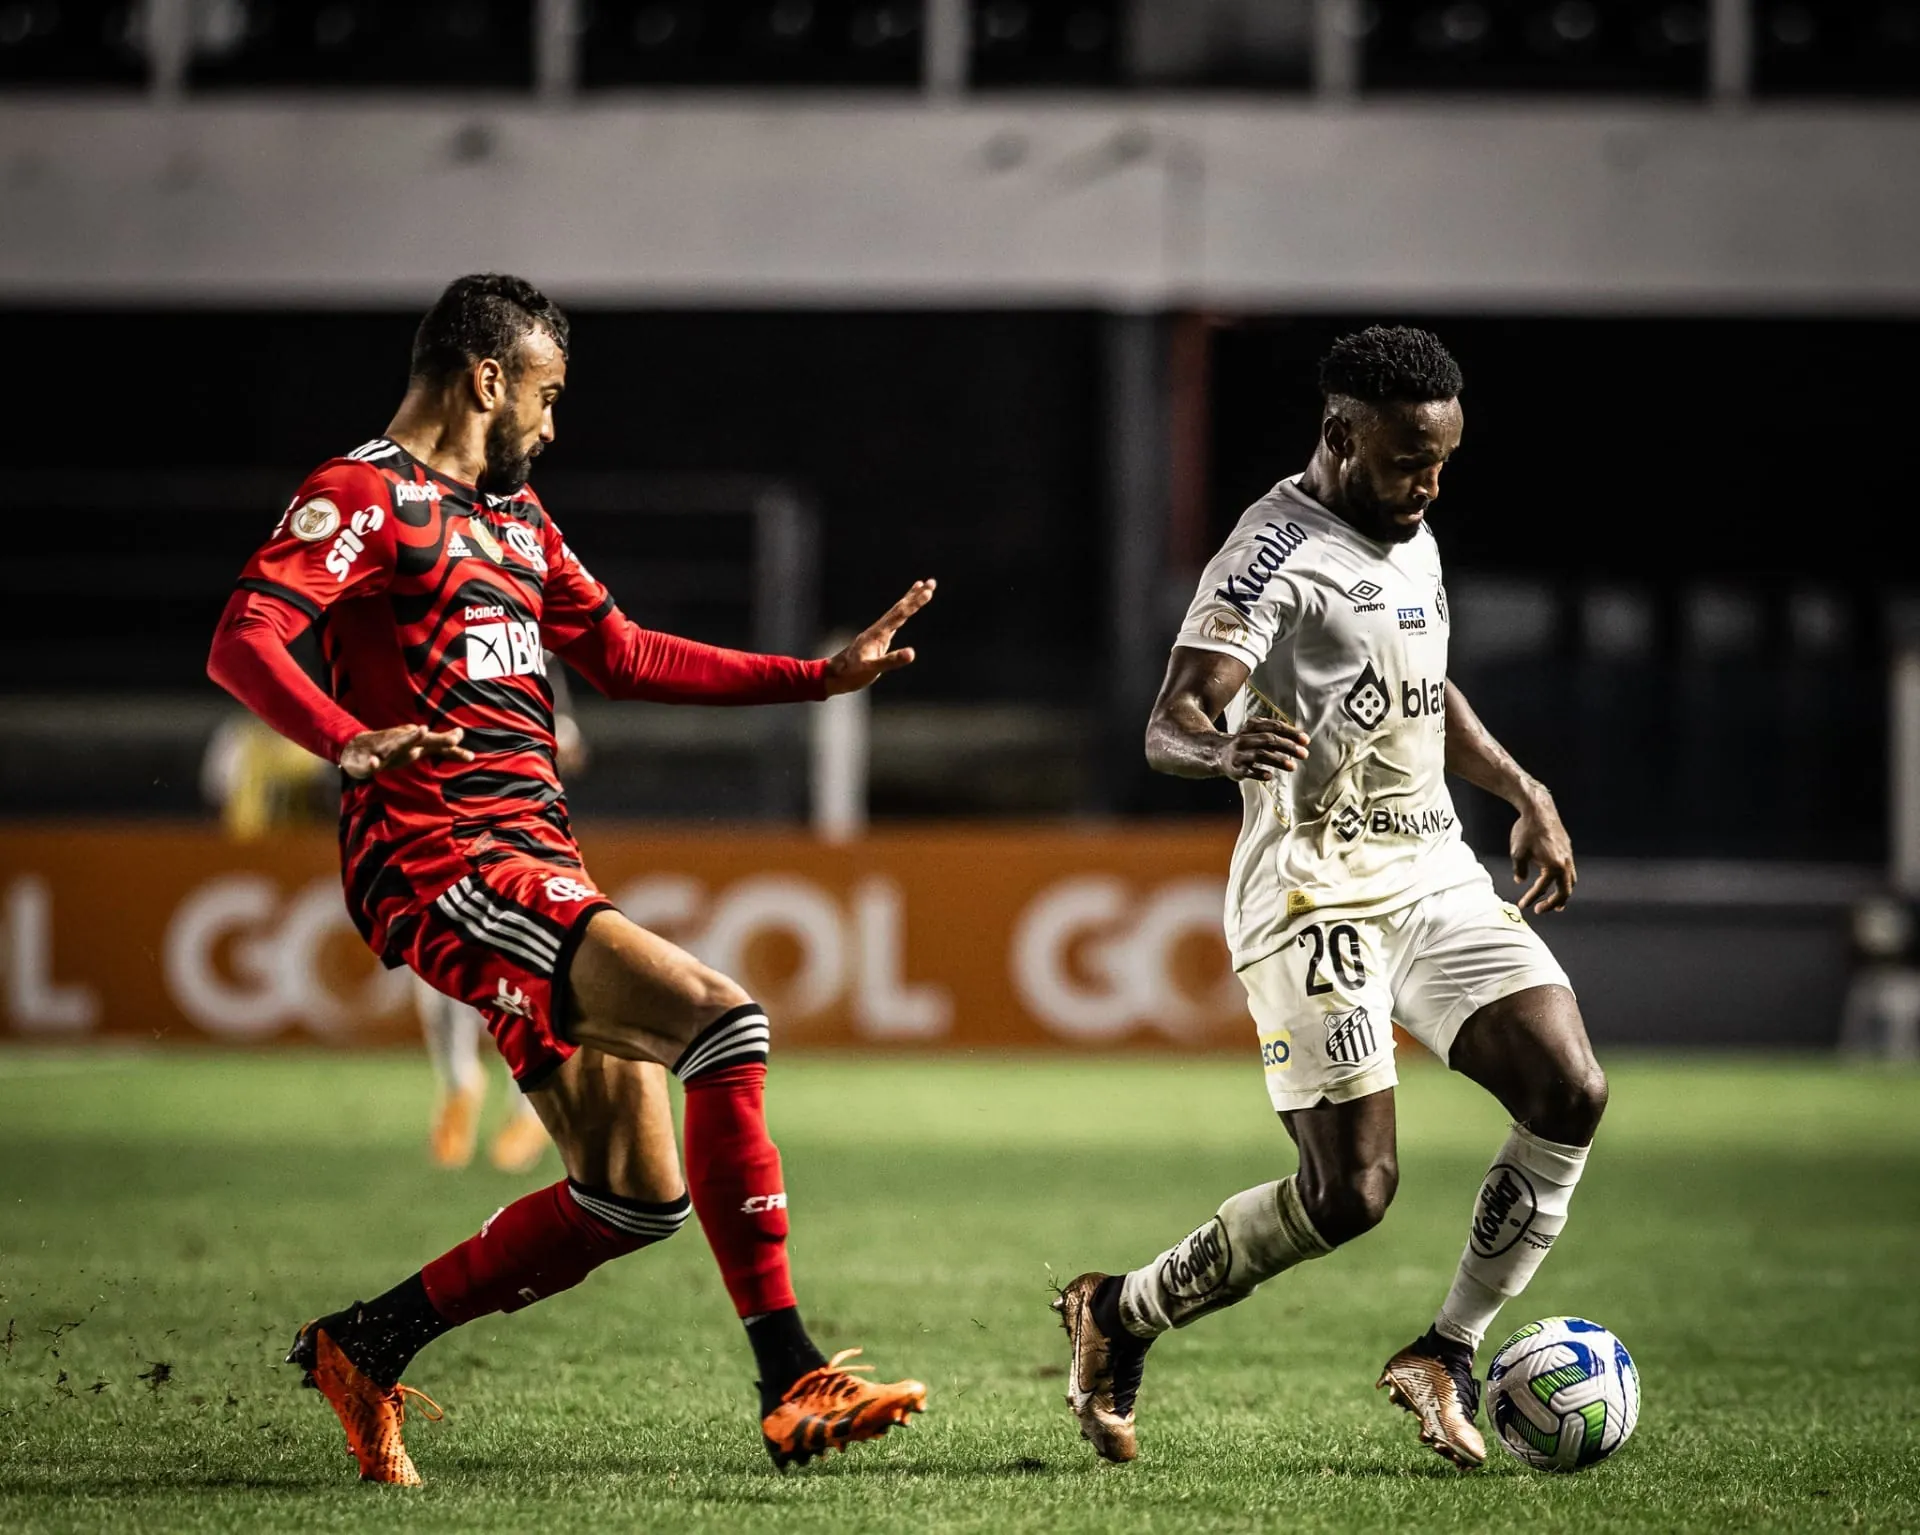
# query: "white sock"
(452, 1033)
(1256, 1234)
(1521, 1208)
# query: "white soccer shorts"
(1326, 1000)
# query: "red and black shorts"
(501, 938)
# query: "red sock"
(539, 1246)
(733, 1174)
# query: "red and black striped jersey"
(435, 605)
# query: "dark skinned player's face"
(1389, 459)
(522, 423)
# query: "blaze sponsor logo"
(510, 649)
(406, 491)
(1276, 1049)
(318, 519)
(1276, 546)
(353, 538)
(561, 888)
(1198, 1266)
(1504, 1210)
(761, 1204)
(1412, 618)
(520, 538)
(1366, 598)
(1421, 698)
(1349, 1037)
(1368, 702)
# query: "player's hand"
(1262, 748)
(869, 658)
(374, 751)
(1540, 838)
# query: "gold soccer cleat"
(371, 1414)
(1436, 1384)
(832, 1407)
(1102, 1382)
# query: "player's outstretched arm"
(1182, 739)
(1539, 839)
(871, 656)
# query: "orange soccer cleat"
(456, 1125)
(371, 1414)
(519, 1144)
(831, 1408)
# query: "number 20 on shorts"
(1337, 947)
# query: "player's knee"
(707, 994)
(1568, 1109)
(1348, 1202)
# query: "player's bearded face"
(1391, 476)
(512, 446)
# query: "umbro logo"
(1366, 598)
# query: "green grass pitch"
(1750, 1228)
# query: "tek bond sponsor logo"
(1277, 545)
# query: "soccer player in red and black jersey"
(437, 580)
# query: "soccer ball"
(1563, 1394)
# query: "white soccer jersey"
(1346, 638)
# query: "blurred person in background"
(438, 578)
(261, 782)
(1320, 632)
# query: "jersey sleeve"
(1247, 600)
(335, 540)
(581, 621)
(573, 600)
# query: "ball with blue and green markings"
(1563, 1394)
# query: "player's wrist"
(1529, 796)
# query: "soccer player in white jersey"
(1320, 633)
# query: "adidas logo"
(458, 548)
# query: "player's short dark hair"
(480, 316)
(1390, 362)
